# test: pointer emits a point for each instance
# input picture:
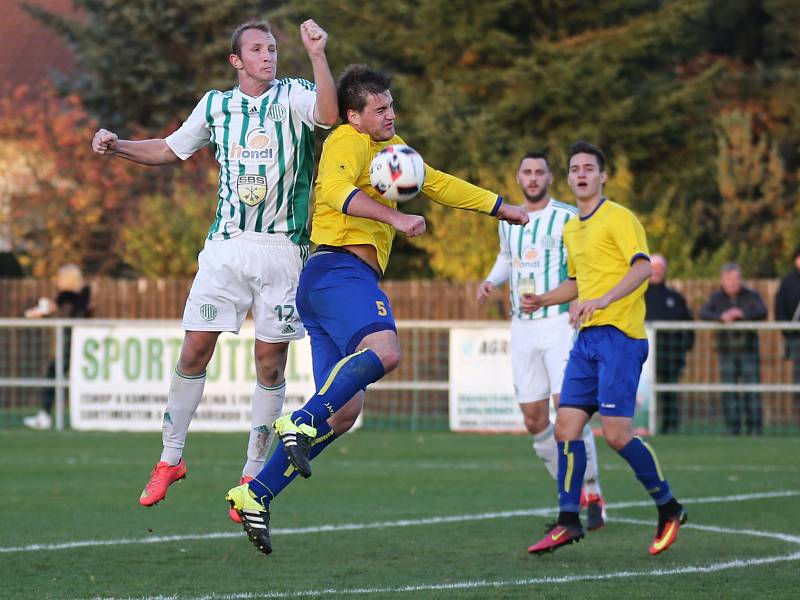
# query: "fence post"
(59, 382)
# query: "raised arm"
(326, 109)
(151, 152)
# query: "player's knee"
(536, 423)
(195, 355)
(391, 361)
(270, 363)
(617, 440)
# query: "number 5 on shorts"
(381, 308)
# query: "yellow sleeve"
(452, 191)
(342, 161)
(571, 272)
(630, 238)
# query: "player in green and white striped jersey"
(533, 259)
(261, 132)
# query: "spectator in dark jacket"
(666, 304)
(787, 308)
(72, 302)
(739, 359)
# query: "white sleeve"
(303, 100)
(502, 266)
(193, 134)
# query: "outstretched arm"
(566, 292)
(146, 152)
(326, 109)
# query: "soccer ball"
(397, 172)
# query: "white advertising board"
(120, 376)
(481, 386)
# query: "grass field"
(389, 515)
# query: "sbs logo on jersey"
(257, 148)
(252, 189)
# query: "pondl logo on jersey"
(256, 148)
(528, 259)
(252, 189)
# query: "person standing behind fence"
(667, 304)
(787, 308)
(72, 302)
(533, 260)
(261, 131)
(739, 360)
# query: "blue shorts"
(603, 372)
(340, 303)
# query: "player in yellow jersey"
(608, 265)
(348, 317)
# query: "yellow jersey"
(344, 170)
(600, 250)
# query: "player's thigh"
(527, 364)
(220, 297)
(579, 388)
(275, 272)
(620, 360)
(341, 294)
(556, 351)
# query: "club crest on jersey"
(252, 189)
(550, 242)
(528, 259)
(256, 148)
(276, 112)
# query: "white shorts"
(539, 353)
(253, 270)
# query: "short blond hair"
(70, 278)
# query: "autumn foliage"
(62, 203)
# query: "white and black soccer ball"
(397, 172)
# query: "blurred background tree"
(684, 96)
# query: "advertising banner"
(120, 376)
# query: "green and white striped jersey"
(533, 253)
(265, 150)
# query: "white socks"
(590, 478)
(265, 408)
(185, 393)
(544, 444)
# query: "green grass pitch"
(390, 515)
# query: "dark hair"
(356, 84)
(236, 38)
(539, 155)
(584, 147)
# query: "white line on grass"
(82, 461)
(784, 537)
(468, 585)
(542, 512)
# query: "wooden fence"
(424, 299)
